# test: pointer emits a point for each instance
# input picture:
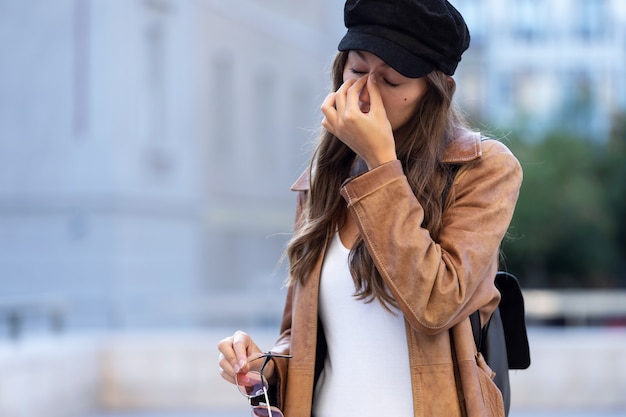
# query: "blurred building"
(146, 153)
(545, 64)
(147, 146)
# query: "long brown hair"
(419, 145)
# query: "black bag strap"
(511, 312)
(476, 330)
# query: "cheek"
(407, 104)
(402, 110)
(410, 102)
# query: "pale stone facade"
(147, 146)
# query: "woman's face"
(400, 94)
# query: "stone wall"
(70, 376)
(57, 377)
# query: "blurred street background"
(147, 148)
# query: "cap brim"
(394, 55)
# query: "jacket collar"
(464, 148)
(303, 182)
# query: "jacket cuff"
(355, 188)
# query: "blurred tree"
(616, 190)
(569, 228)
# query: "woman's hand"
(234, 354)
(364, 127)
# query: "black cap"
(414, 37)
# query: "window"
(530, 20)
(265, 99)
(591, 19)
(223, 106)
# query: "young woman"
(399, 223)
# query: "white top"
(367, 370)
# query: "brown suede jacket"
(436, 284)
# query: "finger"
(340, 95)
(226, 359)
(329, 101)
(376, 100)
(329, 111)
(226, 370)
(328, 126)
(234, 350)
(225, 347)
(241, 345)
(354, 92)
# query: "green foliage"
(569, 228)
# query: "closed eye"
(355, 72)
(362, 73)
(389, 83)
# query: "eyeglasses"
(254, 386)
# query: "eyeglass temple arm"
(270, 355)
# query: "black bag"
(503, 340)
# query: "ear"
(451, 84)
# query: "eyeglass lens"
(261, 411)
(253, 384)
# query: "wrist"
(381, 160)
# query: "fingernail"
(236, 368)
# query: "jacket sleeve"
(437, 284)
